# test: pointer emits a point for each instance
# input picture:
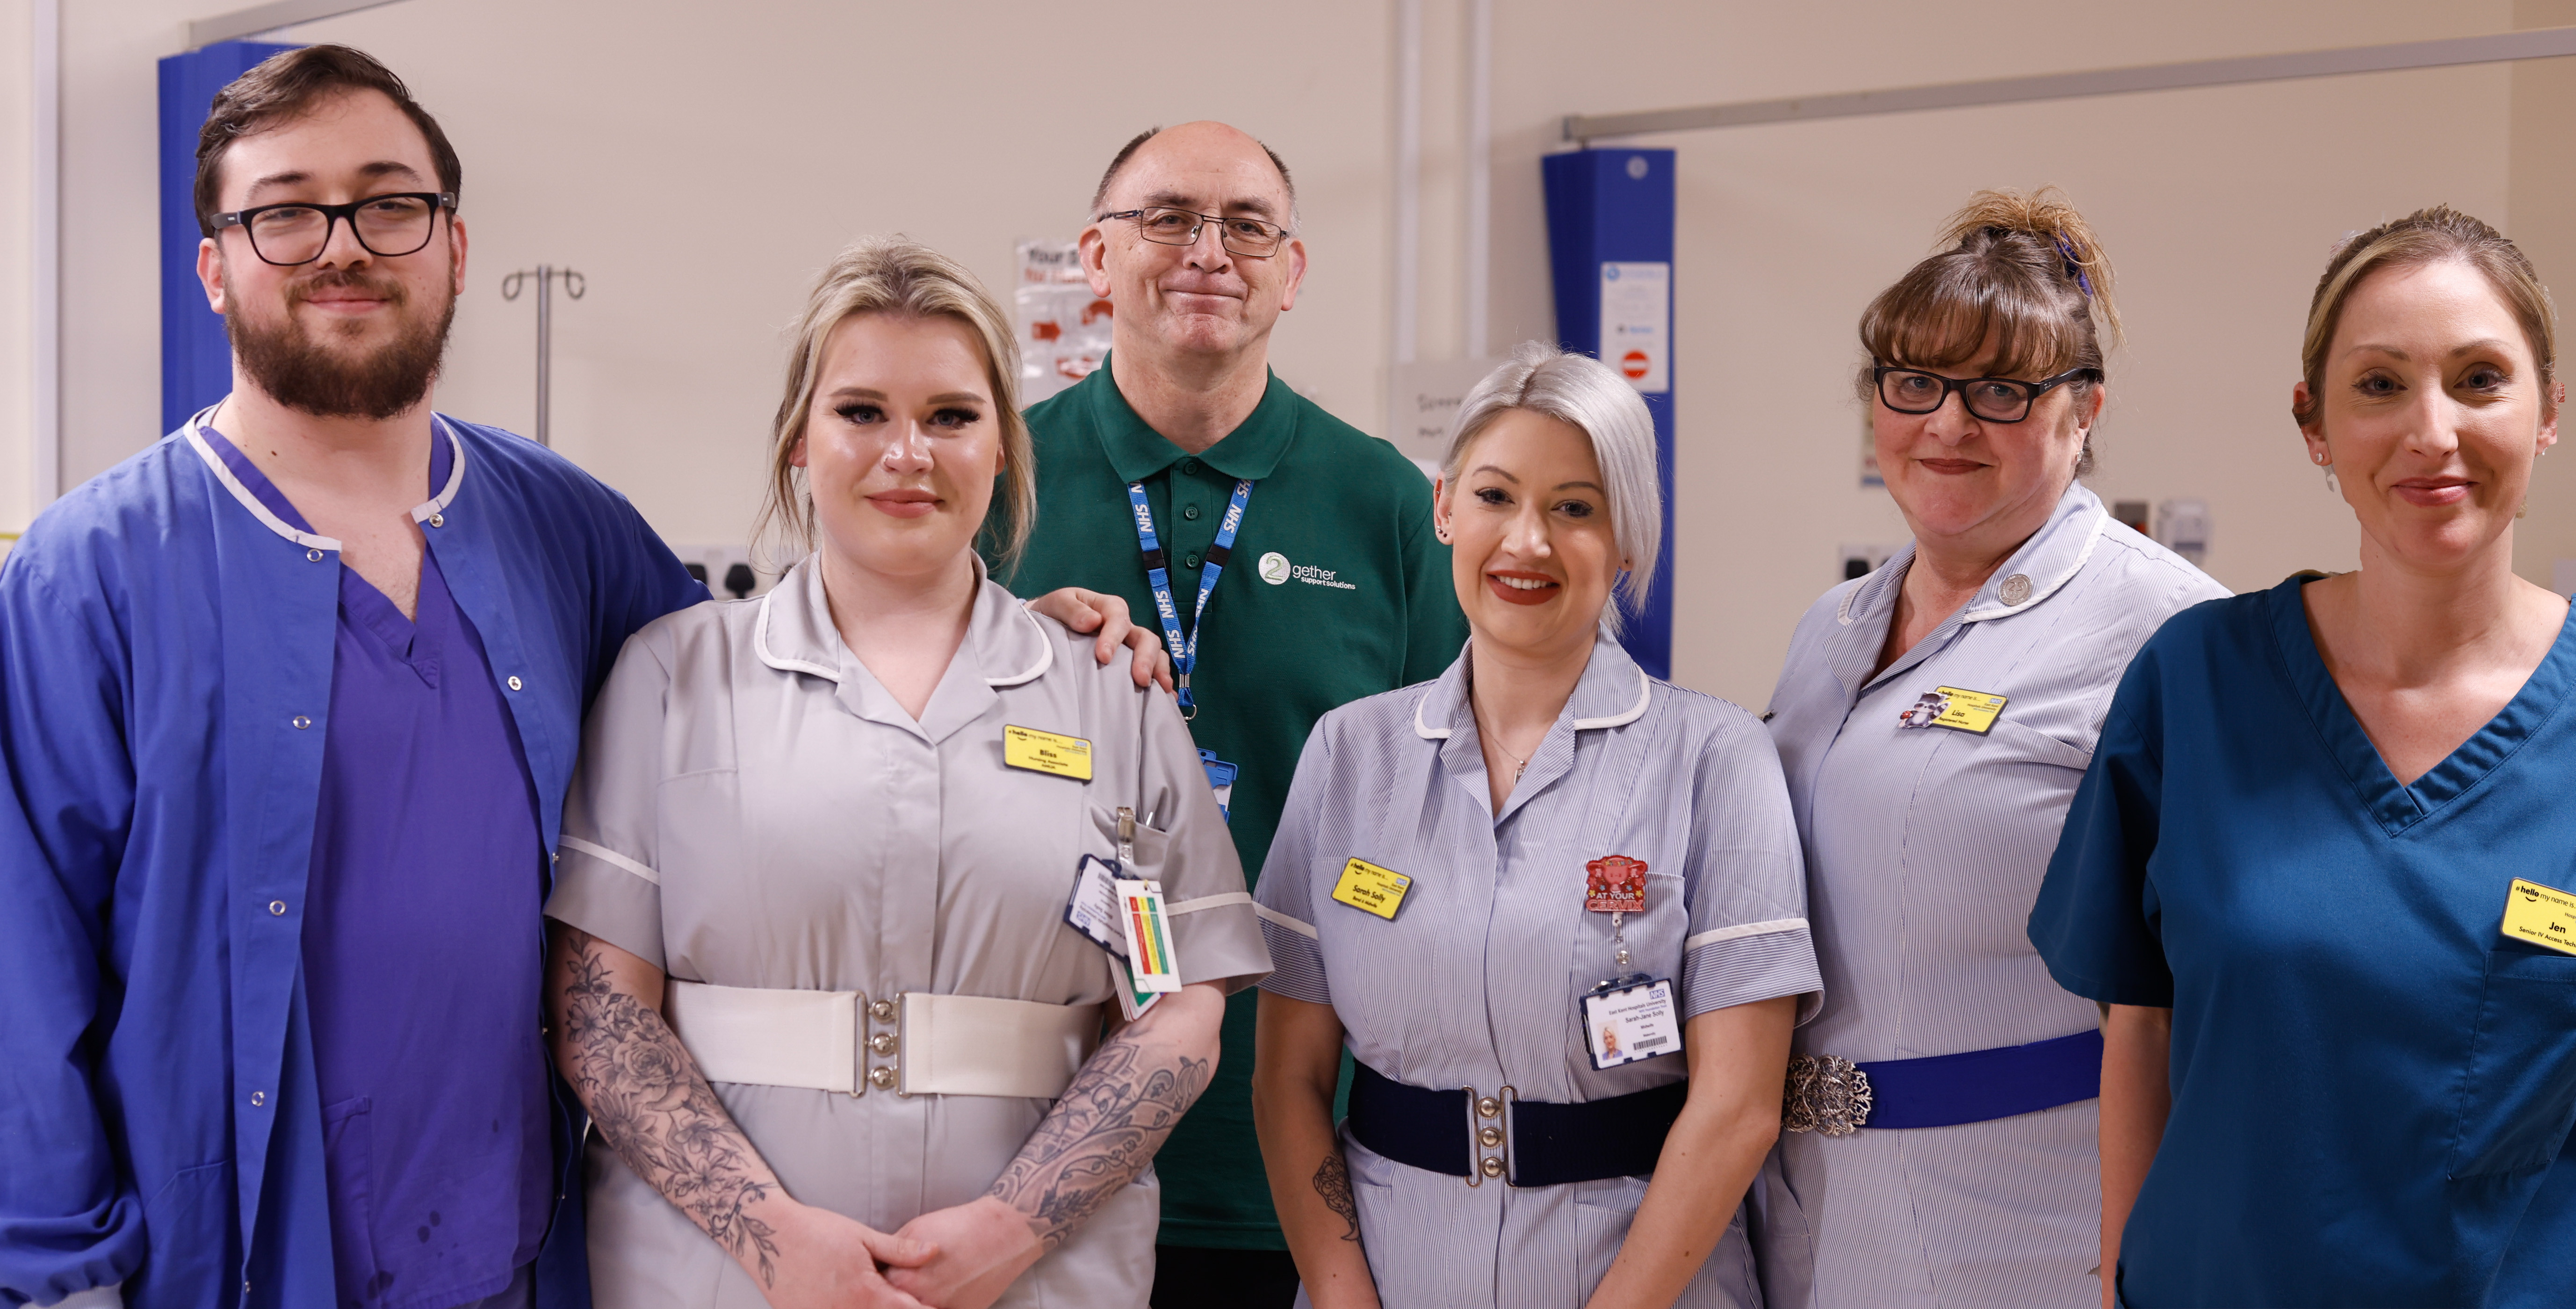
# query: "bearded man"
(288, 703)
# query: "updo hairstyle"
(2023, 275)
(898, 275)
(1592, 398)
(2429, 236)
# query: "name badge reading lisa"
(1370, 889)
(2542, 915)
(1960, 711)
(1051, 753)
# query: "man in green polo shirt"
(1334, 587)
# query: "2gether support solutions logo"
(1275, 569)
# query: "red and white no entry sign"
(1633, 364)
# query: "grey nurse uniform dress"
(1925, 848)
(1477, 980)
(754, 810)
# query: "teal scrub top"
(2372, 1086)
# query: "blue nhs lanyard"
(1158, 572)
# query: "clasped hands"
(961, 1257)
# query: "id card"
(1149, 937)
(1220, 775)
(1623, 1024)
(2542, 915)
(1973, 712)
(1093, 908)
(1370, 889)
(1051, 753)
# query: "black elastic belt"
(1534, 1143)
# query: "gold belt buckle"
(1826, 1094)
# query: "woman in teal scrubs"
(2322, 828)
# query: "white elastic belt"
(912, 1044)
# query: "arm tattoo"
(1100, 1135)
(656, 1109)
(1333, 1182)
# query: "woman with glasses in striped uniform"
(1933, 719)
(1549, 904)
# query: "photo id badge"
(1631, 1019)
(1093, 908)
(1149, 937)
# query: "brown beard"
(284, 360)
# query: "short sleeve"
(1211, 914)
(1286, 898)
(2096, 923)
(1747, 881)
(607, 878)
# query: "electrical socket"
(719, 560)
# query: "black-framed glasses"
(1993, 399)
(389, 226)
(1165, 225)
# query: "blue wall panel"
(1616, 206)
(196, 360)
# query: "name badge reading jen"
(1047, 752)
(1960, 711)
(1371, 889)
(2542, 915)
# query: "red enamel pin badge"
(1615, 884)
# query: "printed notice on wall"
(1636, 317)
(1064, 328)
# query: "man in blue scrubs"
(288, 703)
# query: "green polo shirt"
(1336, 590)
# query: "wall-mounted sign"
(1636, 323)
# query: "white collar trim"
(1999, 610)
(223, 472)
(1645, 696)
(812, 586)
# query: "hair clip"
(2074, 266)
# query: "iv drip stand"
(574, 285)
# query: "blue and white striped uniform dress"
(1925, 848)
(1477, 981)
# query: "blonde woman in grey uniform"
(814, 977)
(1549, 904)
(1934, 718)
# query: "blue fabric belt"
(1977, 1085)
(1548, 1144)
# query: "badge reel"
(1630, 1017)
(1125, 917)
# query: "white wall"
(17, 262)
(700, 165)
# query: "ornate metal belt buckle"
(1827, 1094)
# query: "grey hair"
(1592, 398)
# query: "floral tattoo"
(1100, 1135)
(658, 1112)
(1333, 1182)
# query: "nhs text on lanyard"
(1158, 573)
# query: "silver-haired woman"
(814, 976)
(1553, 907)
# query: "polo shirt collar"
(1137, 451)
(1004, 646)
(2038, 570)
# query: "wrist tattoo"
(1100, 1135)
(1333, 1182)
(655, 1108)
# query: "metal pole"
(545, 351)
(2535, 43)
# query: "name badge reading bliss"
(2542, 915)
(1626, 1023)
(1370, 889)
(1047, 752)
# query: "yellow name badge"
(2541, 915)
(1968, 711)
(1371, 889)
(1047, 752)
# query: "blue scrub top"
(2373, 1088)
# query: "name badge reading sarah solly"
(1370, 889)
